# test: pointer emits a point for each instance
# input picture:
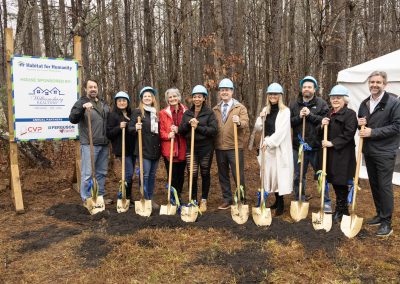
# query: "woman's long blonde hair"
(281, 105)
(153, 104)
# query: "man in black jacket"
(313, 109)
(99, 111)
(380, 114)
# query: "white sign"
(44, 91)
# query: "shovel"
(189, 212)
(321, 220)
(239, 211)
(299, 209)
(95, 203)
(123, 203)
(351, 225)
(262, 215)
(143, 206)
(169, 209)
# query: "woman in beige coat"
(276, 143)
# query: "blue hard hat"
(200, 89)
(226, 83)
(309, 79)
(275, 88)
(339, 90)
(123, 95)
(147, 89)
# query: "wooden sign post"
(76, 179)
(16, 191)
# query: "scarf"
(153, 119)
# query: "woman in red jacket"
(170, 118)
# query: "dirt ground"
(57, 240)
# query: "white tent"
(355, 79)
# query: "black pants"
(380, 174)
(178, 175)
(341, 192)
(202, 160)
(226, 161)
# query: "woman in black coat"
(202, 118)
(118, 119)
(341, 158)
(148, 111)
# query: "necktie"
(224, 112)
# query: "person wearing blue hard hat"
(99, 111)
(148, 111)
(118, 119)
(170, 118)
(379, 117)
(202, 118)
(341, 158)
(276, 144)
(228, 112)
(310, 108)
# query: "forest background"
(127, 44)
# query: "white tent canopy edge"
(355, 80)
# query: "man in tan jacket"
(229, 111)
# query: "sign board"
(44, 91)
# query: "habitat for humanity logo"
(46, 97)
(51, 67)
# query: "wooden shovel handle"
(357, 173)
(171, 157)
(262, 163)
(88, 110)
(235, 135)
(302, 159)
(123, 157)
(139, 131)
(191, 163)
(324, 155)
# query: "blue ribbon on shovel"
(351, 191)
(174, 199)
(303, 147)
(190, 204)
(259, 198)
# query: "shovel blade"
(95, 205)
(298, 210)
(240, 213)
(189, 213)
(168, 209)
(143, 207)
(261, 216)
(351, 225)
(322, 221)
(122, 205)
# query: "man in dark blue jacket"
(313, 109)
(380, 114)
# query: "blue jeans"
(129, 167)
(149, 177)
(100, 164)
(310, 157)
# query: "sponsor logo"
(31, 129)
(63, 128)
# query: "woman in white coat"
(276, 143)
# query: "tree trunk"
(47, 29)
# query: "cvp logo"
(31, 129)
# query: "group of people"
(288, 133)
